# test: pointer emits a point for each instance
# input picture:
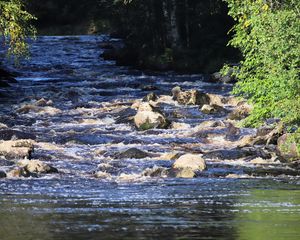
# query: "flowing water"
(83, 129)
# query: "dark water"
(126, 205)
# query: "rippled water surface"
(89, 94)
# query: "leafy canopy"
(267, 32)
(15, 27)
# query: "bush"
(268, 35)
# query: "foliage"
(267, 32)
(15, 27)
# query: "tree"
(267, 32)
(15, 27)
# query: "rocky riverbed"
(76, 119)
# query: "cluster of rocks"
(15, 158)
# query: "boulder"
(43, 102)
(212, 109)
(193, 161)
(170, 156)
(133, 153)
(216, 99)
(16, 149)
(288, 147)
(148, 117)
(182, 173)
(3, 126)
(191, 97)
(47, 110)
(218, 77)
(2, 174)
(209, 124)
(156, 172)
(36, 166)
(240, 112)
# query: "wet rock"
(136, 104)
(240, 112)
(36, 166)
(192, 161)
(182, 173)
(288, 148)
(180, 126)
(218, 77)
(36, 109)
(2, 174)
(149, 88)
(249, 141)
(133, 153)
(170, 156)
(156, 172)
(16, 149)
(209, 124)
(233, 133)
(191, 97)
(261, 161)
(150, 97)
(148, 117)
(125, 116)
(229, 154)
(213, 109)
(9, 134)
(3, 126)
(216, 99)
(20, 172)
(102, 175)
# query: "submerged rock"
(36, 166)
(2, 174)
(133, 153)
(191, 97)
(148, 117)
(10, 134)
(16, 149)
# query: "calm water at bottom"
(201, 208)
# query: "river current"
(83, 129)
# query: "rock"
(237, 176)
(3, 126)
(148, 117)
(216, 99)
(149, 88)
(133, 153)
(43, 102)
(249, 141)
(9, 134)
(170, 156)
(41, 110)
(191, 97)
(16, 149)
(179, 126)
(218, 77)
(288, 148)
(226, 154)
(150, 97)
(212, 109)
(182, 173)
(20, 172)
(156, 172)
(102, 175)
(261, 161)
(192, 161)
(36, 166)
(232, 133)
(240, 112)
(2, 174)
(125, 116)
(209, 124)
(136, 104)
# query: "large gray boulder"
(191, 97)
(148, 117)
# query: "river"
(81, 136)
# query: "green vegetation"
(15, 27)
(268, 35)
